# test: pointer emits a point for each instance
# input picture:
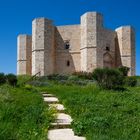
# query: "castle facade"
(67, 49)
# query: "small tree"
(108, 78)
(2, 78)
(131, 81)
(124, 70)
(11, 79)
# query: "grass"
(101, 114)
(23, 114)
(98, 114)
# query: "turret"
(91, 24)
(126, 44)
(24, 44)
(43, 46)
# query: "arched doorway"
(107, 60)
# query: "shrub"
(109, 78)
(2, 79)
(84, 75)
(57, 77)
(38, 83)
(11, 79)
(22, 79)
(124, 70)
(73, 78)
(131, 81)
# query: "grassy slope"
(99, 114)
(23, 115)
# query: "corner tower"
(24, 54)
(126, 43)
(91, 25)
(43, 46)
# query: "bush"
(2, 79)
(109, 78)
(73, 78)
(57, 77)
(131, 81)
(124, 70)
(84, 75)
(38, 83)
(11, 79)
(22, 79)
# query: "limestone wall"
(72, 34)
(91, 24)
(106, 46)
(126, 42)
(43, 46)
(24, 54)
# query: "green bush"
(73, 78)
(131, 81)
(84, 75)
(124, 70)
(22, 79)
(109, 78)
(57, 77)
(2, 78)
(11, 79)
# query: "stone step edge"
(59, 126)
(47, 95)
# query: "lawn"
(23, 114)
(101, 114)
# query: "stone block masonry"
(67, 49)
(24, 55)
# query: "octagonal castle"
(67, 49)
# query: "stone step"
(63, 134)
(47, 95)
(58, 107)
(51, 100)
(62, 121)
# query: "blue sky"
(16, 17)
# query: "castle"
(67, 49)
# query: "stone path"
(60, 129)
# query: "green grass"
(23, 114)
(101, 114)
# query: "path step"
(51, 100)
(58, 107)
(63, 134)
(62, 121)
(47, 95)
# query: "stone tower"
(24, 55)
(126, 44)
(42, 46)
(91, 24)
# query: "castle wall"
(72, 34)
(43, 46)
(91, 24)
(126, 42)
(106, 46)
(24, 55)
